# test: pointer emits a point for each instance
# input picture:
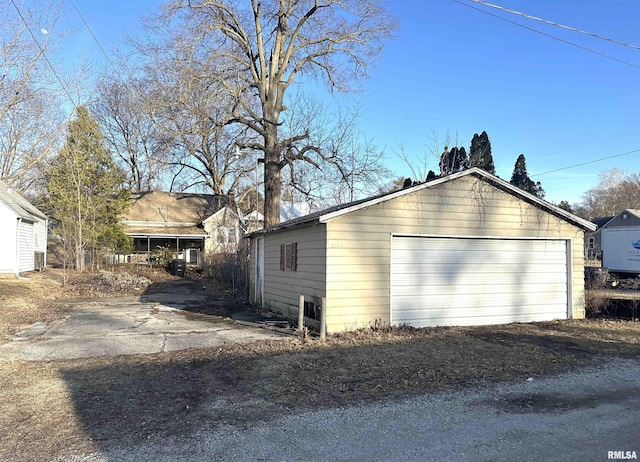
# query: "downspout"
(18, 247)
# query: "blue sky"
(453, 70)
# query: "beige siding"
(358, 251)
(282, 288)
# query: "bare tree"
(419, 164)
(263, 47)
(190, 112)
(616, 191)
(31, 121)
(349, 167)
(127, 121)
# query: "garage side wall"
(359, 243)
(282, 288)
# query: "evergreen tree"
(480, 153)
(520, 178)
(86, 192)
(564, 205)
(453, 161)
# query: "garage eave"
(495, 181)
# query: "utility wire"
(93, 35)
(546, 21)
(588, 162)
(44, 55)
(548, 35)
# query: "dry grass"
(52, 409)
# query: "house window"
(289, 256)
(225, 236)
(592, 243)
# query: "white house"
(23, 233)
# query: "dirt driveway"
(146, 324)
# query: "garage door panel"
(472, 319)
(483, 315)
(427, 295)
(489, 277)
(444, 301)
(463, 281)
(497, 267)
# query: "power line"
(548, 35)
(546, 21)
(588, 162)
(44, 54)
(93, 35)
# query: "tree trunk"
(272, 183)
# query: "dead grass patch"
(57, 408)
(53, 409)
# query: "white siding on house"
(224, 232)
(25, 246)
(8, 227)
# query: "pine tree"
(564, 205)
(480, 153)
(520, 178)
(86, 192)
(453, 161)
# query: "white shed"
(23, 233)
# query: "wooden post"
(323, 319)
(301, 313)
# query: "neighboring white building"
(290, 210)
(23, 233)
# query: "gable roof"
(171, 207)
(225, 209)
(626, 218)
(338, 210)
(601, 221)
(18, 204)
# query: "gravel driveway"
(578, 416)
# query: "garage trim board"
(475, 280)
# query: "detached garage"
(467, 249)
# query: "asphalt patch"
(552, 403)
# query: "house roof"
(601, 221)
(338, 210)
(635, 212)
(165, 231)
(18, 204)
(627, 217)
(224, 210)
(170, 207)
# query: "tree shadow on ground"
(131, 399)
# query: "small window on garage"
(289, 256)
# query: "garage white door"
(469, 281)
